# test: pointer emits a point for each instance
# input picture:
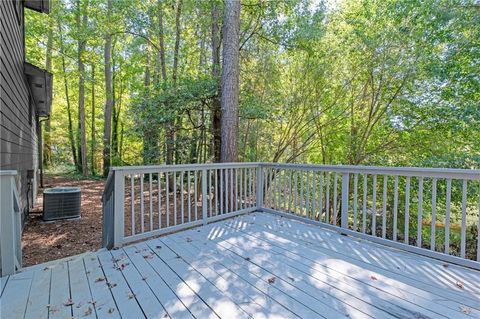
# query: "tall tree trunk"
(216, 108)
(81, 25)
(161, 53)
(47, 142)
(67, 99)
(230, 81)
(170, 127)
(107, 130)
(150, 133)
(93, 142)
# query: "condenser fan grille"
(61, 203)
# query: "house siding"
(18, 122)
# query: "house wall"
(18, 122)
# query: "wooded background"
(344, 82)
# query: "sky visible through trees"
(343, 82)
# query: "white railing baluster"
(240, 184)
(364, 204)
(463, 230)
(320, 195)
(384, 207)
(434, 214)
(221, 192)
(314, 192)
(182, 204)
(344, 203)
(210, 195)
(250, 183)
(447, 216)
(150, 200)
(232, 199)
(226, 192)
(142, 204)
(216, 192)
(420, 212)
(307, 197)
(159, 200)
(204, 196)
(132, 204)
(289, 190)
(395, 208)
(355, 202)
(189, 197)
(167, 197)
(195, 194)
(301, 192)
(295, 192)
(175, 198)
(327, 199)
(335, 186)
(407, 210)
(374, 205)
(275, 189)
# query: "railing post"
(344, 212)
(204, 196)
(260, 186)
(9, 224)
(118, 208)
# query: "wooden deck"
(257, 265)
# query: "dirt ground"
(45, 241)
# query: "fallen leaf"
(148, 256)
(68, 303)
(111, 285)
(189, 240)
(465, 309)
(144, 278)
(445, 265)
(373, 277)
(158, 247)
(131, 295)
(459, 284)
(291, 278)
(99, 279)
(111, 310)
(88, 312)
(271, 280)
(247, 258)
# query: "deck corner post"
(118, 209)
(259, 194)
(10, 228)
(345, 191)
(204, 196)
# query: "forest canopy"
(360, 82)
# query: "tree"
(109, 101)
(81, 16)
(216, 110)
(230, 81)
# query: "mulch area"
(46, 241)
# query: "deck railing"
(433, 212)
(141, 202)
(10, 225)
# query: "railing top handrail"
(8, 172)
(184, 166)
(387, 170)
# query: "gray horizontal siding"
(18, 126)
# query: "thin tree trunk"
(163, 64)
(150, 135)
(81, 25)
(230, 81)
(107, 130)
(216, 108)
(170, 127)
(93, 142)
(47, 142)
(67, 99)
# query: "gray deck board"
(252, 266)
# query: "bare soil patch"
(46, 241)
